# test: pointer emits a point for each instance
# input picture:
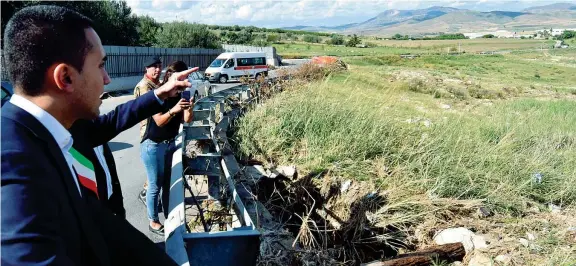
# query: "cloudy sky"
(268, 13)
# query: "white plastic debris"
(469, 240)
(524, 242)
(345, 186)
(287, 171)
(537, 177)
(503, 258)
(554, 208)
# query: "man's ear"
(62, 75)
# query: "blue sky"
(268, 13)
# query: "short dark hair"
(37, 37)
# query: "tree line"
(117, 25)
(442, 36)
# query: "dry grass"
(468, 45)
(416, 166)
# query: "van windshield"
(218, 63)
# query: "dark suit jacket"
(44, 219)
(88, 134)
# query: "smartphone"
(186, 95)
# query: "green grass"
(394, 47)
(493, 71)
(303, 50)
(384, 122)
(490, 155)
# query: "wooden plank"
(425, 257)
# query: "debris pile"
(314, 220)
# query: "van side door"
(245, 66)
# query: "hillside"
(438, 19)
(392, 17)
(552, 7)
(472, 21)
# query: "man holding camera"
(149, 82)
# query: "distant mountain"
(552, 7)
(438, 19)
(391, 17)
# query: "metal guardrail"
(239, 245)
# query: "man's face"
(153, 71)
(92, 79)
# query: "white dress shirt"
(58, 132)
(63, 137)
(100, 154)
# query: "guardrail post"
(240, 244)
(222, 110)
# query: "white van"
(229, 66)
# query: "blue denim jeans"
(157, 158)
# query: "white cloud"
(158, 3)
(133, 3)
(244, 12)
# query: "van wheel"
(223, 79)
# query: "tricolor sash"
(85, 170)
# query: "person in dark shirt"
(158, 145)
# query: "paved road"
(126, 150)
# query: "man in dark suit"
(56, 62)
(92, 144)
(108, 189)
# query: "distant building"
(557, 32)
(473, 35)
(497, 34)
